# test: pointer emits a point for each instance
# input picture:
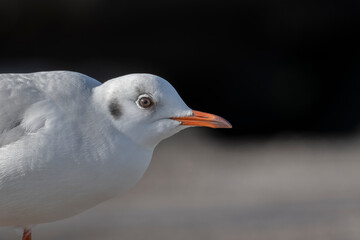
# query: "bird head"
(148, 109)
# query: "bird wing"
(28, 100)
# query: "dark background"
(268, 67)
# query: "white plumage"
(68, 142)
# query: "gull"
(68, 142)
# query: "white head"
(148, 109)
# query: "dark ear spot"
(114, 108)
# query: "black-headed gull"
(68, 142)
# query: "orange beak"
(204, 120)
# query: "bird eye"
(145, 102)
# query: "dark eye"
(145, 102)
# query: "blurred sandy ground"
(198, 187)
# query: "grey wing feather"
(16, 95)
(18, 92)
